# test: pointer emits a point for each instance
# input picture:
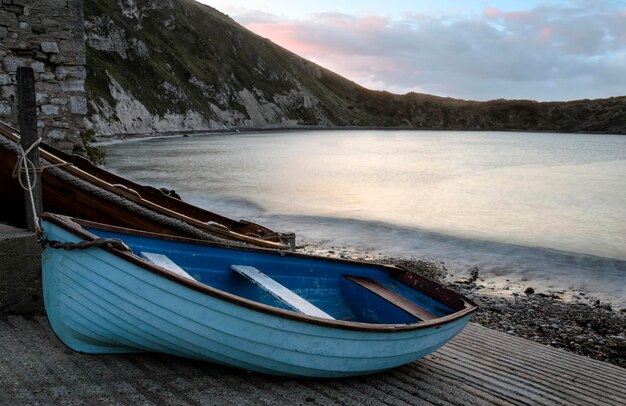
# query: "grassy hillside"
(151, 60)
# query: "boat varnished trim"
(462, 305)
(136, 198)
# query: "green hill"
(176, 65)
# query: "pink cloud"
(546, 33)
(519, 15)
(373, 22)
(286, 35)
(349, 23)
(327, 33)
(338, 20)
(492, 12)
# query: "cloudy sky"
(544, 50)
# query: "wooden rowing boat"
(77, 188)
(262, 310)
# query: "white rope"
(25, 166)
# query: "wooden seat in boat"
(393, 298)
(280, 292)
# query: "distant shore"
(115, 138)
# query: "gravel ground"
(583, 326)
(577, 323)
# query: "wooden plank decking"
(479, 367)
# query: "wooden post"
(28, 129)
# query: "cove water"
(541, 210)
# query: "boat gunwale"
(411, 279)
(11, 134)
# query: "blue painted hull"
(98, 302)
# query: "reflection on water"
(553, 191)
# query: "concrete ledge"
(20, 272)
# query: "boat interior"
(318, 287)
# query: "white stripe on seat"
(280, 292)
(164, 262)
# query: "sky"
(480, 50)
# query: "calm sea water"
(538, 209)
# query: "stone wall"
(49, 36)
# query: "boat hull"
(99, 303)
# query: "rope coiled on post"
(24, 166)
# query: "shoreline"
(574, 321)
(102, 140)
(506, 268)
(485, 283)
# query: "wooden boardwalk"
(479, 367)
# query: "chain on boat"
(83, 245)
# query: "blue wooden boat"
(269, 311)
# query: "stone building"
(49, 36)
